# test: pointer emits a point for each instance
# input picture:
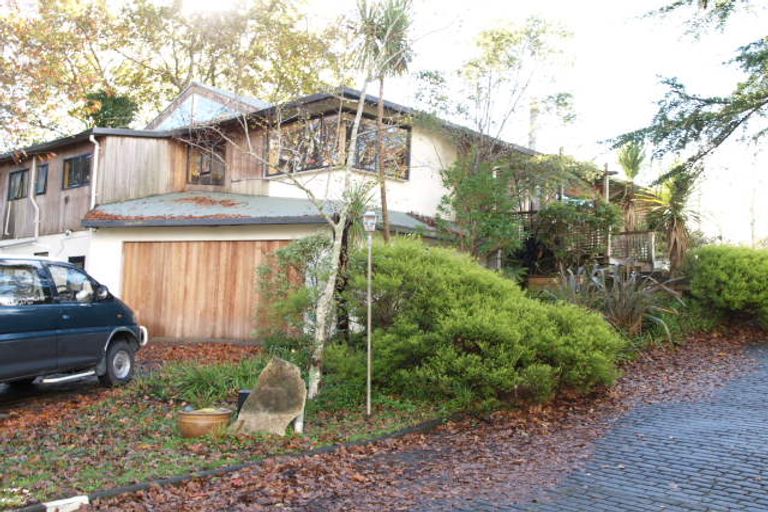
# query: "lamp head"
(369, 221)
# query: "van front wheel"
(120, 365)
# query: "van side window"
(72, 285)
(20, 285)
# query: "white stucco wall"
(59, 246)
(420, 193)
(105, 262)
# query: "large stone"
(277, 400)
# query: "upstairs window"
(207, 163)
(77, 171)
(396, 154)
(18, 182)
(322, 142)
(41, 180)
(304, 145)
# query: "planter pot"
(203, 421)
(538, 283)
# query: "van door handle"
(65, 317)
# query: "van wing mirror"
(102, 293)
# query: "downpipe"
(94, 169)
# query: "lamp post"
(369, 223)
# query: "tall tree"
(499, 82)
(386, 51)
(109, 110)
(150, 51)
(631, 158)
(699, 124)
(670, 212)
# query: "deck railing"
(635, 246)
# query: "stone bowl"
(203, 421)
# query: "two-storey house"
(176, 218)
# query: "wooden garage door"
(195, 289)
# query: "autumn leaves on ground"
(90, 439)
(85, 438)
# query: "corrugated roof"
(222, 209)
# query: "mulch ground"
(508, 457)
(50, 404)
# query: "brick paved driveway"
(710, 455)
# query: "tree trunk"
(325, 303)
(380, 160)
(324, 309)
(342, 278)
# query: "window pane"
(20, 285)
(77, 171)
(207, 165)
(17, 185)
(304, 145)
(396, 142)
(365, 157)
(41, 181)
(85, 169)
(71, 284)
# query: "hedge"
(447, 328)
(731, 279)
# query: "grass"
(133, 437)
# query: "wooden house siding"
(133, 167)
(60, 209)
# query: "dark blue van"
(58, 323)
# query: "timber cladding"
(195, 290)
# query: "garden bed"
(108, 438)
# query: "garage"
(196, 289)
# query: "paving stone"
(710, 455)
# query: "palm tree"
(631, 158)
(669, 212)
(385, 51)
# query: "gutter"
(94, 169)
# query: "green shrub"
(449, 329)
(731, 279)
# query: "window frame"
(269, 169)
(197, 151)
(24, 173)
(45, 181)
(347, 119)
(64, 186)
(408, 132)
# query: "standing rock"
(277, 400)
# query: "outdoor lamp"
(369, 221)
